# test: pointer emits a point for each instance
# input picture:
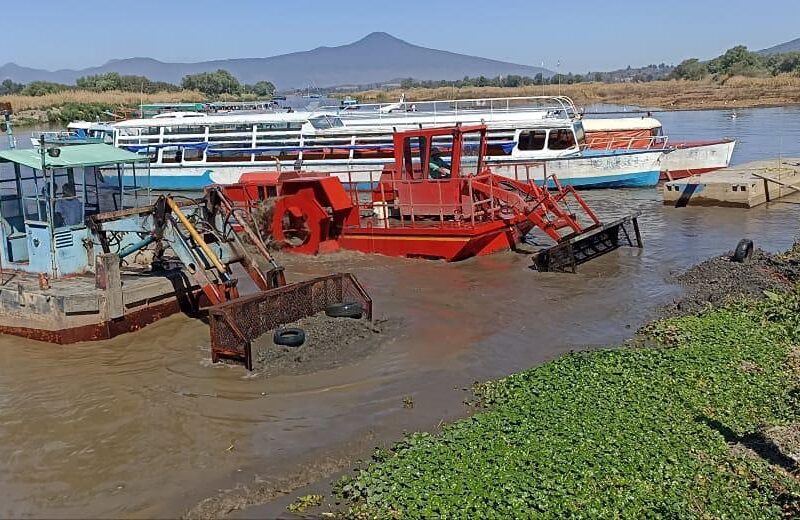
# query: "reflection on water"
(143, 425)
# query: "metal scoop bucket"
(236, 323)
(574, 250)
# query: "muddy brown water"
(145, 426)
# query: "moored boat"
(682, 158)
(189, 150)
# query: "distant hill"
(791, 46)
(378, 57)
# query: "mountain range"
(378, 57)
(791, 46)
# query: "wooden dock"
(744, 186)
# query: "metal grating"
(236, 323)
(567, 255)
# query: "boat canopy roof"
(226, 119)
(620, 123)
(75, 156)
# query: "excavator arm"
(201, 235)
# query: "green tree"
(10, 87)
(115, 81)
(42, 88)
(264, 89)
(212, 83)
(690, 69)
(737, 60)
(783, 63)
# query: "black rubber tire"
(743, 251)
(289, 337)
(345, 310)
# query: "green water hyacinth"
(676, 430)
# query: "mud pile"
(330, 342)
(719, 280)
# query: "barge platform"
(86, 308)
(744, 186)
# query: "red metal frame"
(410, 214)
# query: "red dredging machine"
(424, 206)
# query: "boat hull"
(450, 245)
(597, 169)
(696, 157)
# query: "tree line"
(647, 73)
(739, 61)
(212, 84)
(735, 61)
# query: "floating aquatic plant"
(632, 432)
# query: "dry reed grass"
(114, 97)
(677, 94)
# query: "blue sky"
(583, 35)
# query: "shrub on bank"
(679, 430)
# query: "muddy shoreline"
(710, 283)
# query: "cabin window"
(531, 140)
(470, 154)
(230, 139)
(187, 130)
(267, 155)
(415, 163)
(279, 125)
(561, 139)
(150, 153)
(171, 155)
(193, 154)
(133, 132)
(231, 128)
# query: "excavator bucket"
(236, 323)
(202, 236)
(598, 240)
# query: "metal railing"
(391, 211)
(550, 105)
(655, 142)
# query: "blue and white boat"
(189, 151)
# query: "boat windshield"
(325, 122)
(580, 133)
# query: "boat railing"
(552, 106)
(654, 142)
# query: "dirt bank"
(329, 343)
(719, 280)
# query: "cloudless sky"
(582, 34)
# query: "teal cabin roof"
(74, 156)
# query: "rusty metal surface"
(109, 216)
(132, 321)
(235, 324)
